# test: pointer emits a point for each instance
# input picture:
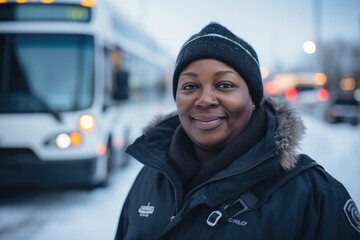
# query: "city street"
(81, 80)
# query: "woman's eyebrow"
(221, 73)
(190, 74)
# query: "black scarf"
(192, 172)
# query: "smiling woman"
(214, 104)
(230, 154)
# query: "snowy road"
(337, 149)
(92, 215)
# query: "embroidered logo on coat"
(145, 211)
(238, 222)
(352, 213)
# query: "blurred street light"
(347, 84)
(319, 79)
(309, 47)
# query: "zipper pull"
(213, 218)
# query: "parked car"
(310, 100)
(343, 110)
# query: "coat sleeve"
(340, 217)
(123, 222)
(123, 225)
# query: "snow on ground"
(68, 214)
(337, 149)
(95, 218)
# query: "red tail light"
(322, 95)
(291, 94)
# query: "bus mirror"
(122, 89)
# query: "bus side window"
(122, 89)
(108, 76)
(120, 76)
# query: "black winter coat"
(311, 205)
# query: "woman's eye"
(189, 86)
(225, 85)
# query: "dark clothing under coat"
(309, 206)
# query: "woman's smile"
(207, 121)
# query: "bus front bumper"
(24, 169)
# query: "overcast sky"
(275, 28)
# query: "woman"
(226, 166)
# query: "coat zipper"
(176, 195)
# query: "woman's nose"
(207, 98)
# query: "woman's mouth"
(207, 122)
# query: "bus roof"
(79, 2)
(77, 16)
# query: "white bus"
(67, 70)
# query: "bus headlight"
(65, 140)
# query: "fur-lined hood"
(289, 131)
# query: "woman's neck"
(205, 155)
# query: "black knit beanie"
(215, 41)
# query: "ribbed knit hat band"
(216, 42)
(219, 36)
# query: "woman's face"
(213, 103)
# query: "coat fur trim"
(289, 132)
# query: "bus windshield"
(46, 72)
